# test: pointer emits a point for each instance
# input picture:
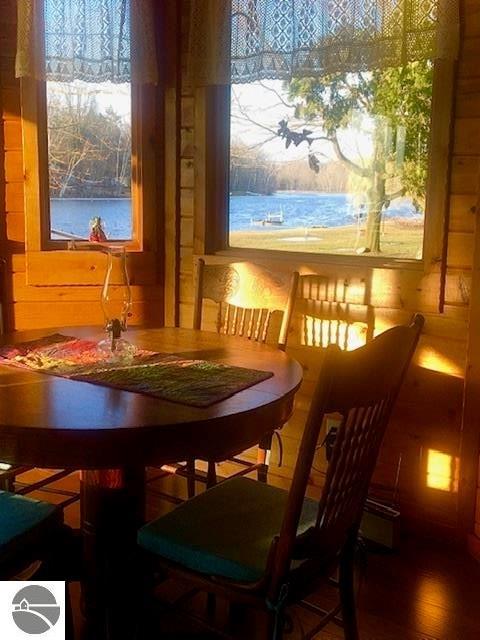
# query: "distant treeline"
(251, 171)
(89, 150)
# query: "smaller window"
(89, 159)
(88, 116)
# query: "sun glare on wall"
(441, 471)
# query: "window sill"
(377, 262)
(86, 245)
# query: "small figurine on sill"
(97, 234)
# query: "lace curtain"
(87, 40)
(246, 40)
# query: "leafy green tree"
(398, 101)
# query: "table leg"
(112, 509)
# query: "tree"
(89, 150)
(398, 102)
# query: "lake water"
(299, 209)
(72, 215)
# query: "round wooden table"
(112, 435)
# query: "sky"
(263, 104)
(106, 93)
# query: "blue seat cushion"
(23, 522)
(226, 531)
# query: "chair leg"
(69, 628)
(263, 457)
(190, 466)
(211, 605)
(211, 474)
(275, 625)
(347, 590)
(7, 484)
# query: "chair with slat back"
(251, 302)
(9, 472)
(247, 297)
(332, 310)
(263, 546)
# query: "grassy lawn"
(398, 240)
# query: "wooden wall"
(36, 306)
(428, 417)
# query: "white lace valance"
(88, 40)
(246, 40)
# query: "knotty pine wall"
(428, 416)
(26, 306)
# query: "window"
(89, 160)
(335, 164)
(88, 116)
(337, 126)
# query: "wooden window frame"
(49, 262)
(212, 142)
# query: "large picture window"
(335, 165)
(339, 117)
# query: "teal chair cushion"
(226, 531)
(23, 521)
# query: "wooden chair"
(251, 302)
(268, 548)
(34, 543)
(331, 310)
(8, 472)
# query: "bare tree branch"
(279, 95)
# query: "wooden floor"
(423, 592)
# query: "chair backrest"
(361, 386)
(247, 296)
(332, 310)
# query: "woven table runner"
(197, 383)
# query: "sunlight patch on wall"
(318, 332)
(431, 359)
(441, 471)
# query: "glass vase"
(116, 305)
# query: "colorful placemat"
(197, 383)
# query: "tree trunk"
(374, 220)
(376, 199)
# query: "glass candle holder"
(116, 303)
